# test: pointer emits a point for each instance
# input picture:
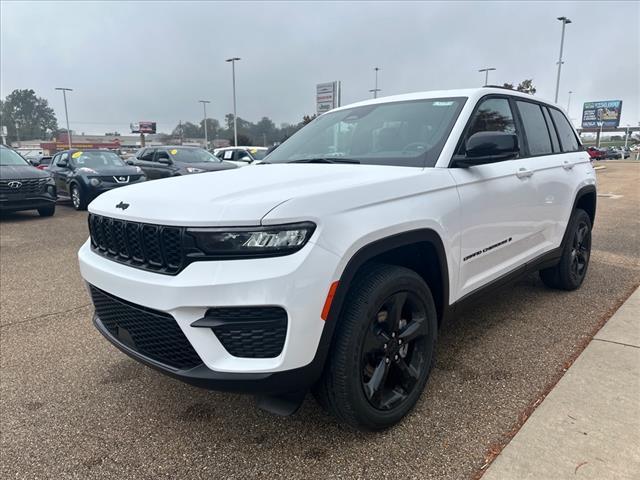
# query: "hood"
(237, 197)
(10, 172)
(210, 166)
(125, 170)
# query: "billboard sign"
(327, 96)
(143, 127)
(607, 112)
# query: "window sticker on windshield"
(174, 151)
(442, 104)
(228, 154)
(76, 154)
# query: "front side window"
(493, 115)
(9, 157)
(409, 134)
(568, 139)
(62, 158)
(535, 128)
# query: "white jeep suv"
(332, 266)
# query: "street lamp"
(564, 21)
(233, 61)
(569, 103)
(204, 124)
(66, 113)
(486, 74)
(376, 89)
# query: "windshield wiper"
(325, 160)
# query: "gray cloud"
(153, 61)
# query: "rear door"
(553, 176)
(497, 201)
(60, 172)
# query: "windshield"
(96, 159)
(410, 133)
(192, 155)
(9, 157)
(258, 153)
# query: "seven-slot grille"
(142, 245)
(29, 186)
(154, 334)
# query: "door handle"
(524, 173)
(567, 165)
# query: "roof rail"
(500, 86)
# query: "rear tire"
(570, 272)
(47, 211)
(383, 349)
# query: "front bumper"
(17, 202)
(298, 283)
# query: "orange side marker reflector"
(327, 302)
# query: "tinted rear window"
(568, 138)
(535, 128)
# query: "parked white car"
(241, 156)
(333, 266)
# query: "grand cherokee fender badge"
(122, 205)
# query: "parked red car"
(596, 153)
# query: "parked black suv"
(169, 161)
(82, 175)
(24, 187)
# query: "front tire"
(78, 200)
(383, 349)
(570, 272)
(47, 211)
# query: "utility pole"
(204, 124)
(233, 61)
(486, 74)
(66, 112)
(564, 21)
(376, 89)
(626, 136)
(569, 103)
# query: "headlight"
(247, 241)
(194, 170)
(94, 182)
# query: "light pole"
(626, 137)
(564, 21)
(376, 89)
(233, 61)
(569, 104)
(486, 74)
(204, 124)
(66, 113)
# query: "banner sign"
(607, 112)
(143, 127)
(327, 96)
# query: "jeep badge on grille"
(122, 205)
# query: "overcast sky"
(153, 61)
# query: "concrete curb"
(589, 424)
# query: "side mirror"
(245, 158)
(130, 161)
(164, 161)
(488, 147)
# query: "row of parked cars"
(609, 153)
(82, 175)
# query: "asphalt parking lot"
(75, 407)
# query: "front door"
(497, 199)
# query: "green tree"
(213, 128)
(187, 130)
(526, 86)
(27, 116)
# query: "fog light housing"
(94, 182)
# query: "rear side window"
(568, 139)
(552, 130)
(535, 128)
